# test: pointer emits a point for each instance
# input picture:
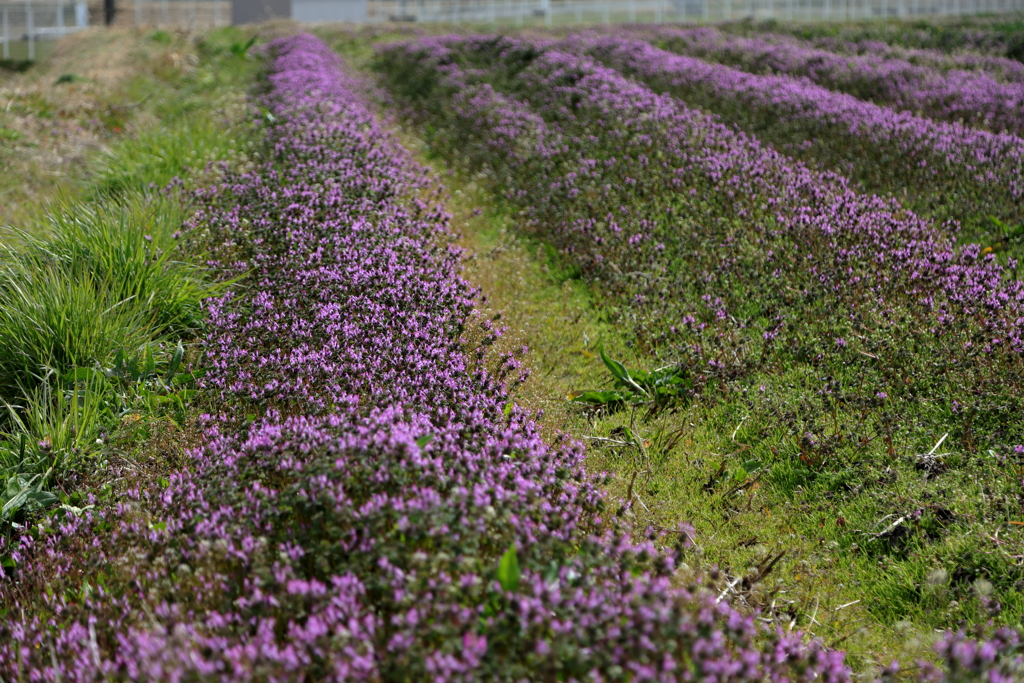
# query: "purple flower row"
(986, 36)
(948, 169)
(346, 514)
(1001, 69)
(590, 157)
(952, 95)
(589, 132)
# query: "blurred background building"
(23, 23)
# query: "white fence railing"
(32, 20)
(565, 12)
(184, 14)
(23, 22)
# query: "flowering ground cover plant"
(1001, 68)
(951, 95)
(998, 35)
(365, 500)
(367, 503)
(733, 178)
(944, 170)
(781, 294)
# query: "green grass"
(155, 157)
(125, 85)
(106, 278)
(49, 430)
(20, 53)
(101, 297)
(92, 314)
(202, 120)
(543, 302)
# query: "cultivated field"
(640, 352)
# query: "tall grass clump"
(56, 317)
(201, 117)
(52, 426)
(100, 297)
(157, 156)
(103, 278)
(91, 303)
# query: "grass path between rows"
(554, 314)
(772, 553)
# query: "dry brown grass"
(66, 109)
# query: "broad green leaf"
(183, 378)
(42, 498)
(600, 398)
(628, 433)
(75, 510)
(615, 367)
(179, 353)
(150, 365)
(620, 372)
(640, 376)
(424, 440)
(508, 570)
(999, 224)
(18, 492)
(131, 371)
